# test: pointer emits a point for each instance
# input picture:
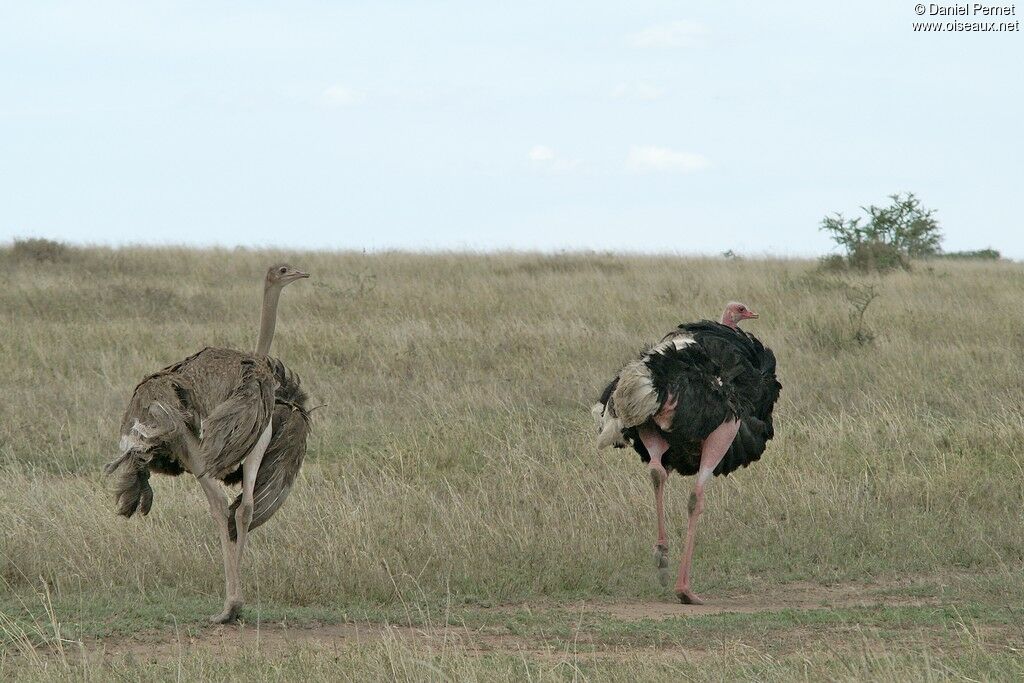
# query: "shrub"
(975, 255)
(834, 262)
(860, 298)
(877, 256)
(43, 250)
(888, 237)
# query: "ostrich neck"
(726, 320)
(268, 319)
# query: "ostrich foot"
(232, 609)
(688, 597)
(661, 562)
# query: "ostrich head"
(281, 274)
(278, 275)
(735, 312)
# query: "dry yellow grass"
(454, 459)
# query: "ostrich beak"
(299, 274)
(751, 314)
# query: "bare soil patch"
(272, 637)
(790, 596)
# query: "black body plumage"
(725, 373)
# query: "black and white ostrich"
(698, 402)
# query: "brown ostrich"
(223, 416)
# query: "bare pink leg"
(663, 418)
(656, 446)
(714, 448)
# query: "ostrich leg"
(656, 446)
(243, 516)
(714, 448)
(219, 511)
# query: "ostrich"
(698, 402)
(222, 415)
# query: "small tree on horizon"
(889, 236)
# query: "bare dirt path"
(790, 596)
(273, 637)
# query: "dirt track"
(270, 637)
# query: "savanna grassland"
(454, 520)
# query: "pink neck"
(728, 321)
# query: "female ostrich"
(221, 415)
(699, 402)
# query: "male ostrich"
(223, 415)
(699, 402)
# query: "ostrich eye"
(282, 270)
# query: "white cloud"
(648, 158)
(545, 157)
(638, 91)
(541, 153)
(672, 34)
(341, 96)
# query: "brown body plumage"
(225, 415)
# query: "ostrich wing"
(677, 368)
(750, 367)
(234, 426)
(745, 360)
(284, 455)
(638, 392)
(699, 385)
(280, 465)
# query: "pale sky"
(651, 126)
